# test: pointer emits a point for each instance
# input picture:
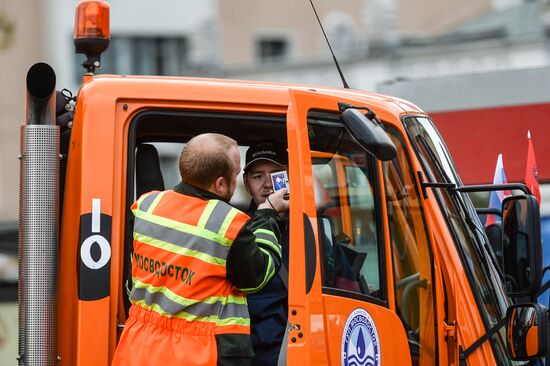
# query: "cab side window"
(345, 198)
(155, 141)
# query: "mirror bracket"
(494, 187)
(425, 185)
(464, 353)
(488, 211)
(370, 113)
(368, 131)
(544, 288)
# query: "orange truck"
(371, 181)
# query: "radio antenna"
(330, 48)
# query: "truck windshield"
(465, 227)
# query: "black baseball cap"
(266, 151)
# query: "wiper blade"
(479, 245)
(473, 231)
(422, 141)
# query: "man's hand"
(276, 201)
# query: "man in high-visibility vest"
(195, 257)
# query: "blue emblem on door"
(360, 342)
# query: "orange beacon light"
(91, 31)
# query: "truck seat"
(148, 174)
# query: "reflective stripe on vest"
(172, 305)
(169, 236)
(178, 266)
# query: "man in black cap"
(269, 307)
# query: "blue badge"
(360, 342)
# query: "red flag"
(531, 174)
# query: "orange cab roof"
(227, 90)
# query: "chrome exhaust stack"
(39, 221)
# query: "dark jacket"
(246, 268)
(268, 308)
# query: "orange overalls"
(181, 297)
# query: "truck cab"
(388, 262)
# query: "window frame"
(429, 243)
(132, 143)
(331, 119)
(498, 347)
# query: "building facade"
(376, 41)
(21, 45)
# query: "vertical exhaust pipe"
(39, 221)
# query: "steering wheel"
(512, 280)
(331, 204)
(408, 284)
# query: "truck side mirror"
(368, 134)
(527, 332)
(521, 245)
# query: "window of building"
(272, 49)
(9, 274)
(341, 33)
(142, 55)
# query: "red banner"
(531, 174)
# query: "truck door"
(341, 296)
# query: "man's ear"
(246, 183)
(220, 186)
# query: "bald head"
(207, 157)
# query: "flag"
(531, 173)
(495, 201)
